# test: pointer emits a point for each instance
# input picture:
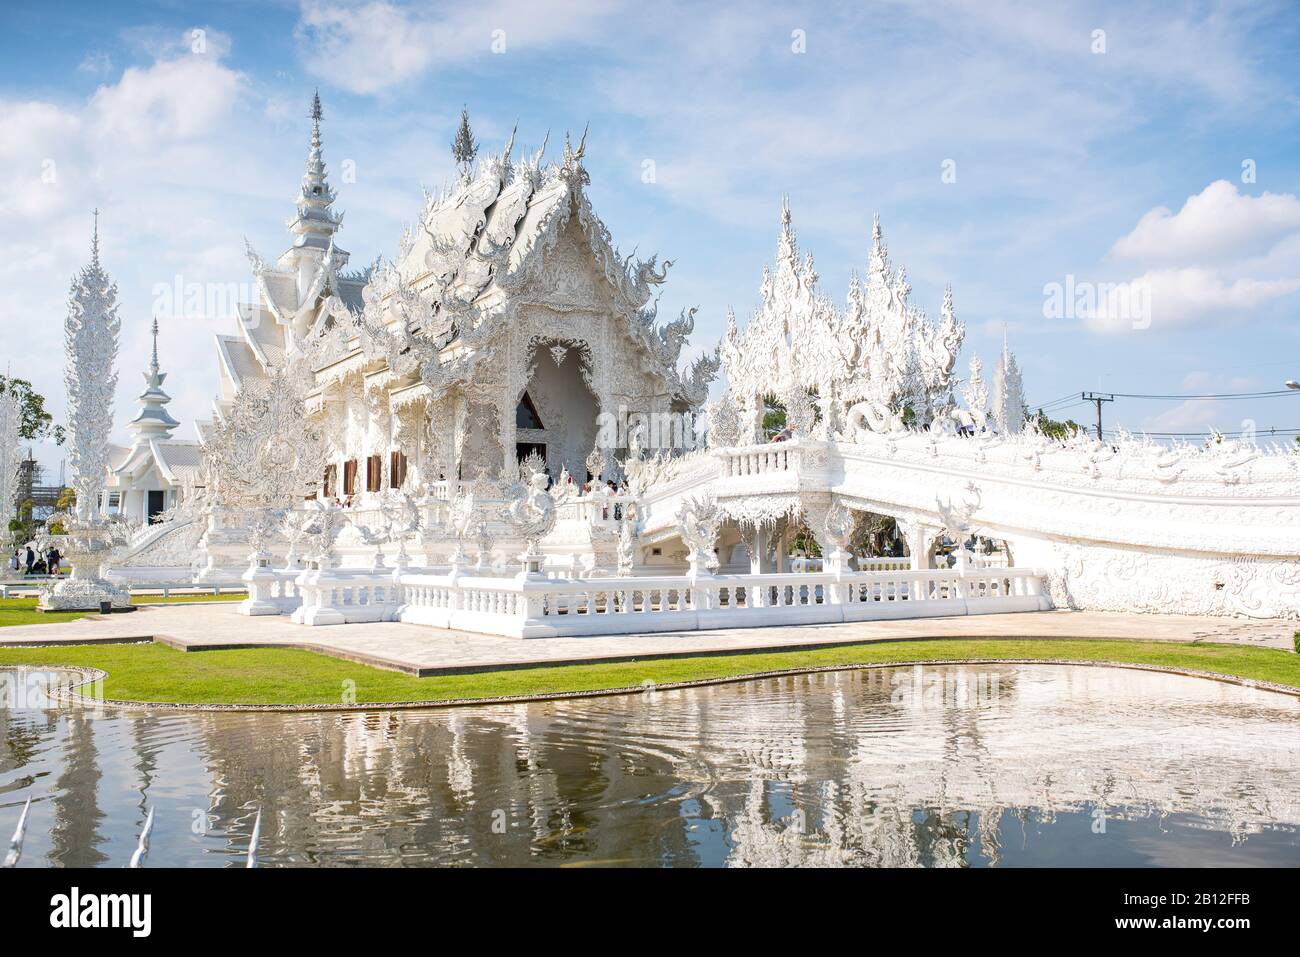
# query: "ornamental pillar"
(506, 432)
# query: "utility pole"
(1098, 398)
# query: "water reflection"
(941, 766)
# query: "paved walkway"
(416, 649)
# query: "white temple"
(411, 441)
(151, 475)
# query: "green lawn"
(152, 672)
(22, 611)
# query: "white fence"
(537, 607)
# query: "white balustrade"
(759, 459)
(271, 591)
(534, 607)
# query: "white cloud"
(1217, 224)
(377, 45)
(186, 98)
(1186, 297)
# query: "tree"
(10, 454)
(1052, 428)
(463, 147)
(34, 423)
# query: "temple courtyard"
(423, 651)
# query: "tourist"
(31, 559)
(53, 558)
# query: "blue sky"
(1119, 165)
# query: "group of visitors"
(609, 490)
(32, 562)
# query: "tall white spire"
(90, 343)
(1008, 392)
(153, 421)
(315, 223)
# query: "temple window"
(526, 416)
(350, 477)
(374, 473)
(396, 469)
(330, 482)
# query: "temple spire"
(153, 363)
(94, 240)
(153, 420)
(315, 222)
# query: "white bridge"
(1129, 526)
(1124, 526)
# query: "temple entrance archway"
(556, 413)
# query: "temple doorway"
(556, 414)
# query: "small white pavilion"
(150, 476)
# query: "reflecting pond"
(972, 765)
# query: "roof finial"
(316, 113)
(94, 240)
(510, 144)
(153, 364)
(463, 147)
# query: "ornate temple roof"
(489, 230)
(474, 248)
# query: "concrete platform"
(419, 650)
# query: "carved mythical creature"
(874, 417)
(698, 520)
(646, 275)
(642, 470)
(626, 547)
(956, 515)
(672, 335)
(695, 389)
(838, 525)
(533, 513)
(327, 523)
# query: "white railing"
(536, 606)
(272, 591)
(595, 509)
(759, 459)
(882, 563)
(337, 596)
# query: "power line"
(1221, 395)
(1206, 435)
(1201, 395)
(1060, 407)
(1044, 405)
